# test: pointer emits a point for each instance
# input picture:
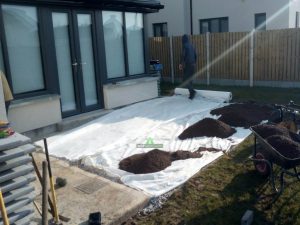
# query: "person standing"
(188, 64)
(8, 97)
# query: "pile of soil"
(207, 127)
(267, 130)
(290, 125)
(243, 114)
(149, 162)
(156, 160)
(285, 146)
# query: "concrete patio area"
(86, 193)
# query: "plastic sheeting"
(219, 96)
(104, 142)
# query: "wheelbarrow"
(265, 156)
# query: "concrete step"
(78, 120)
(92, 193)
(66, 124)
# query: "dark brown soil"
(243, 114)
(150, 162)
(285, 146)
(207, 127)
(201, 149)
(267, 130)
(156, 160)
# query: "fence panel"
(159, 48)
(276, 55)
(199, 41)
(177, 51)
(229, 56)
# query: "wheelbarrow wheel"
(261, 167)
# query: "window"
(160, 30)
(23, 46)
(114, 48)
(214, 25)
(135, 43)
(204, 27)
(224, 25)
(123, 45)
(297, 19)
(260, 21)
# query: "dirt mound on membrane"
(243, 114)
(157, 160)
(207, 127)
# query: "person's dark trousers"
(7, 104)
(189, 71)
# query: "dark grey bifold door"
(79, 80)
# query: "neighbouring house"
(200, 16)
(68, 57)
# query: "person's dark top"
(189, 55)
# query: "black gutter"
(191, 17)
(132, 5)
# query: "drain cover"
(91, 186)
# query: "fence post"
(207, 59)
(251, 58)
(172, 59)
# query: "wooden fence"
(245, 57)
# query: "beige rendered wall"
(30, 114)
(128, 92)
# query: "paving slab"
(86, 193)
(13, 141)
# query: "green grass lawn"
(260, 94)
(223, 191)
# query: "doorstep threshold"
(80, 119)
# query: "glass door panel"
(64, 61)
(84, 22)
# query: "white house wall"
(176, 14)
(241, 13)
(294, 7)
